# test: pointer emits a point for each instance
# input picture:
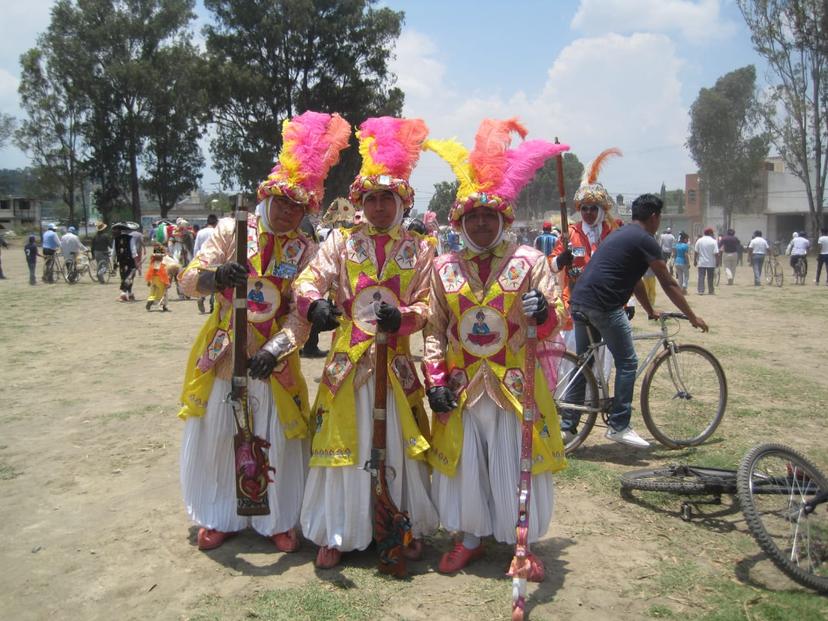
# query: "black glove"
(389, 318)
(535, 305)
(231, 274)
(564, 259)
(630, 310)
(262, 364)
(322, 314)
(441, 399)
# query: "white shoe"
(627, 436)
(567, 436)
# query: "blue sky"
(596, 73)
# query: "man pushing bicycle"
(612, 275)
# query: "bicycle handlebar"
(665, 316)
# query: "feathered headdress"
(493, 175)
(390, 148)
(590, 191)
(311, 143)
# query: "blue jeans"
(758, 261)
(614, 327)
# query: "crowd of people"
(472, 290)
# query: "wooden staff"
(392, 527)
(520, 566)
(252, 466)
(562, 193)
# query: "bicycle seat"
(580, 317)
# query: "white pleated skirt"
(208, 465)
(337, 510)
(481, 498)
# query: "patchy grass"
(7, 472)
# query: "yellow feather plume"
(457, 157)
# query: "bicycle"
(800, 270)
(683, 393)
(780, 493)
(103, 271)
(773, 270)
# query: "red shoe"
(287, 541)
(328, 558)
(458, 558)
(414, 550)
(209, 539)
(537, 573)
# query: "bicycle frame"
(591, 354)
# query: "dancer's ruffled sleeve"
(213, 252)
(415, 314)
(544, 281)
(435, 334)
(315, 280)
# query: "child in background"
(31, 258)
(158, 279)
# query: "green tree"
(7, 126)
(791, 35)
(273, 59)
(542, 194)
(723, 139)
(51, 133)
(114, 50)
(172, 159)
(442, 199)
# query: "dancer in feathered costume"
(379, 272)
(481, 300)
(594, 204)
(276, 252)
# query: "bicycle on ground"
(683, 393)
(782, 494)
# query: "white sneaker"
(627, 436)
(567, 436)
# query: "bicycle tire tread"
(666, 479)
(754, 521)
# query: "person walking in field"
(30, 249)
(51, 244)
(202, 236)
(482, 301)
(706, 259)
(758, 249)
(681, 261)
(822, 245)
(730, 247)
(277, 251)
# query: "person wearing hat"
(51, 244)
(545, 242)
(101, 246)
(30, 249)
(158, 278)
(378, 272)
(482, 300)
(125, 249)
(277, 251)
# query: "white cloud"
(696, 21)
(612, 90)
(419, 74)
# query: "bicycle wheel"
(681, 479)
(92, 275)
(769, 270)
(568, 373)
(717, 276)
(683, 396)
(774, 484)
(104, 272)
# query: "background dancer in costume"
(203, 235)
(127, 250)
(594, 204)
(277, 251)
(376, 256)
(475, 374)
(158, 278)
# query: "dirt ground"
(92, 521)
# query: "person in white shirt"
(822, 244)
(667, 241)
(798, 249)
(757, 249)
(71, 244)
(706, 259)
(202, 236)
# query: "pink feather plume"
(315, 139)
(397, 142)
(488, 158)
(522, 163)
